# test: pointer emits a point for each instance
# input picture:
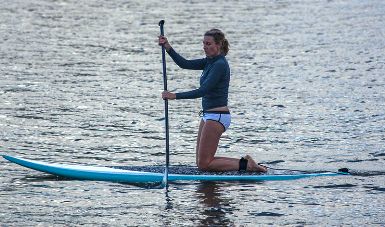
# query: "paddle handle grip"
(161, 24)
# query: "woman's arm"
(213, 77)
(197, 64)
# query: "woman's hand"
(168, 95)
(164, 42)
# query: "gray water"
(81, 83)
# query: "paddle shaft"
(161, 23)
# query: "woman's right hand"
(164, 42)
(168, 95)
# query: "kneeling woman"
(214, 86)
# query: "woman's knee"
(203, 164)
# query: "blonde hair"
(219, 38)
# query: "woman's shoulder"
(221, 61)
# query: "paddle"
(165, 177)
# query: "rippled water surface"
(81, 82)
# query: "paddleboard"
(101, 173)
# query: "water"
(81, 82)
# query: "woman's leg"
(201, 124)
(207, 143)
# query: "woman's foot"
(252, 166)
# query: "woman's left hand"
(168, 95)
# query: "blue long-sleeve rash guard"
(214, 81)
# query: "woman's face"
(210, 47)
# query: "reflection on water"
(216, 209)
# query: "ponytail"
(225, 46)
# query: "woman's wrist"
(167, 47)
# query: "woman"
(214, 86)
